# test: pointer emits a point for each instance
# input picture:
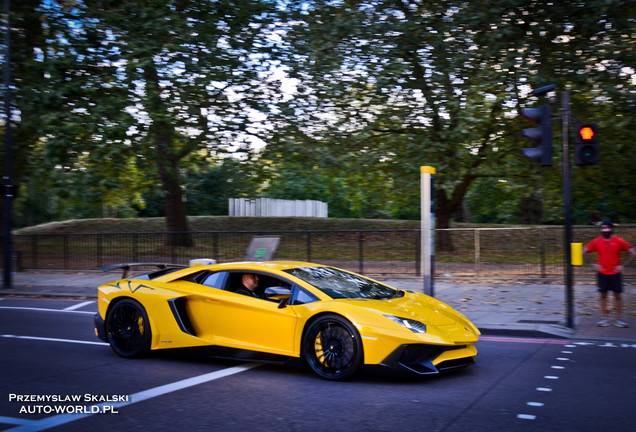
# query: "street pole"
(7, 181)
(427, 228)
(567, 205)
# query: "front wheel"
(128, 329)
(332, 348)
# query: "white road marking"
(16, 421)
(46, 310)
(549, 377)
(78, 305)
(38, 425)
(54, 339)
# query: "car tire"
(332, 348)
(128, 328)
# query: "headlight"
(414, 326)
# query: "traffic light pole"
(567, 205)
(7, 180)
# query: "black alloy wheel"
(332, 348)
(128, 328)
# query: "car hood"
(423, 308)
(418, 307)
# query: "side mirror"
(279, 293)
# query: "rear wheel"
(332, 348)
(128, 329)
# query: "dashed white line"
(546, 389)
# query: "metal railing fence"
(528, 252)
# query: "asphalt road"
(50, 352)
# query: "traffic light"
(542, 135)
(586, 144)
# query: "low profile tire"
(332, 348)
(128, 329)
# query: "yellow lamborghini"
(336, 321)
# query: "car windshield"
(339, 284)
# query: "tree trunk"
(176, 218)
(168, 158)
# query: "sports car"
(337, 322)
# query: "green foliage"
(440, 83)
(128, 90)
(209, 187)
(137, 107)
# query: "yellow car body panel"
(184, 313)
(256, 325)
(381, 336)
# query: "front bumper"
(421, 359)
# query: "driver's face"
(250, 281)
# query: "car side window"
(215, 280)
(303, 297)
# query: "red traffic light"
(586, 149)
(587, 133)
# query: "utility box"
(577, 253)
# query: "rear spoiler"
(127, 266)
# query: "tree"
(114, 99)
(348, 177)
(211, 183)
(441, 83)
(148, 82)
(408, 75)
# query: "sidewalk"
(497, 308)
(515, 308)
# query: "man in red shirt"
(609, 268)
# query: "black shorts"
(611, 282)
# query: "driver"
(249, 284)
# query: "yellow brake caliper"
(140, 324)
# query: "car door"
(250, 323)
